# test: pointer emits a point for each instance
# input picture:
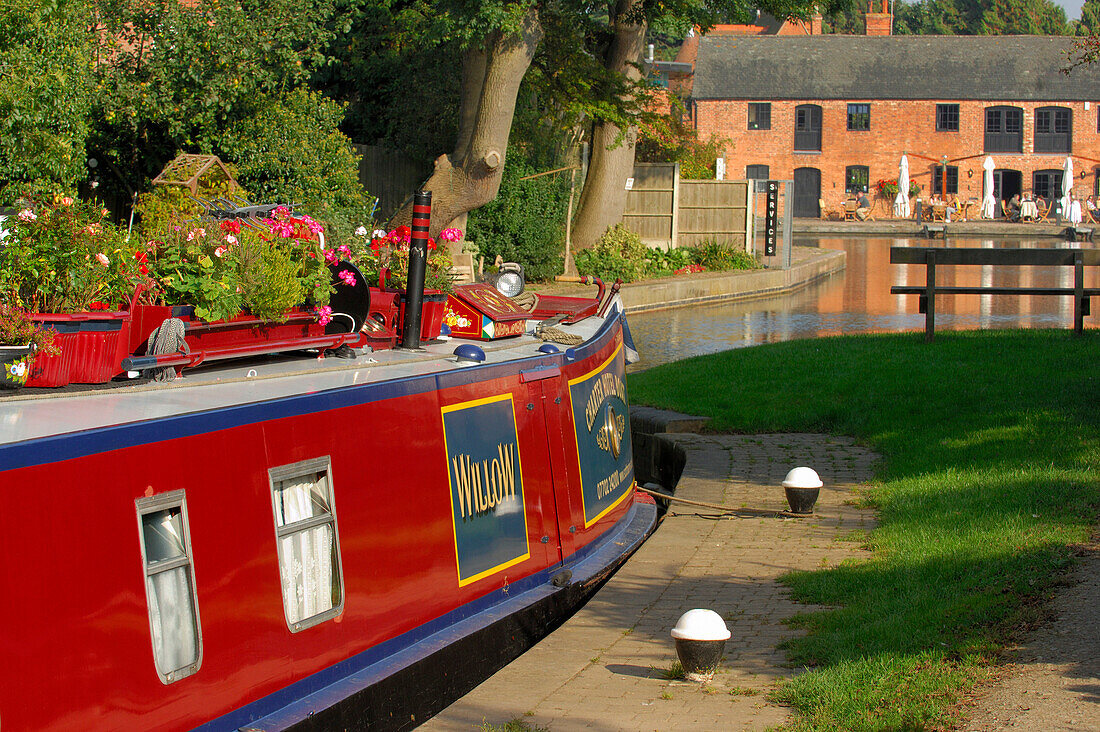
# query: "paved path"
(602, 669)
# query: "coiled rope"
(167, 338)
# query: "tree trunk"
(470, 176)
(604, 196)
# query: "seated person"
(863, 206)
(1091, 208)
(1014, 208)
(1041, 204)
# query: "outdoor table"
(1028, 210)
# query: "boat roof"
(32, 413)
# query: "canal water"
(858, 300)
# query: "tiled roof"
(1019, 68)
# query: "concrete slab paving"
(604, 669)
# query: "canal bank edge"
(807, 264)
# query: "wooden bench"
(932, 256)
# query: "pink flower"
(281, 211)
(450, 234)
(401, 235)
(324, 314)
(66, 201)
(27, 215)
(313, 226)
(102, 259)
(284, 229)
(347, 277)
(344, 249)
(220, 251)
(330, 257)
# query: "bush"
(618, 254)
(291, 151)
(526, 221)
(719, 256)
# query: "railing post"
(418, 264)
(930, 296)
(1078, 292)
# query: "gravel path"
(1054, 682)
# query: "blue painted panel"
(486, 482)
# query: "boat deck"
(39, 412)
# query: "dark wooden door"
(807, 192)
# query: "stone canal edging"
(807, 264)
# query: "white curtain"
(306, 555)
(175, 641)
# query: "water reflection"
(858, 300)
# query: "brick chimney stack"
(881, 22)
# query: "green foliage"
(526, 221)
(621, 254)
(970, 17)
(291, 151)
(66, 257)
(719, 256)
(46, 88)
(991, 477)
(667, 139)
(1089, 24)
(269, 278)
(618, 254)
(17, 329)
(179, 74)
(222, 269)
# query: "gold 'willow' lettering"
(605, 385)
(480, 487)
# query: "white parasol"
(989, 203)
(901, 201)
(1067, 185)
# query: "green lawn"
(991, 442)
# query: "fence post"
(675, 229)
(1078, 292)
(930, 297)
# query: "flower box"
(92, 348)
(431, 317)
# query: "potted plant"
(385, 260)
(70, 270)
(21, 341)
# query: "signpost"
(771, 219)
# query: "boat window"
(308, 542)
(170, 585)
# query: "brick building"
(835, 113)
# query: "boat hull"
(458, 498)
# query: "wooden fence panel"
(667, 212)
(651, 203)
(390, 175)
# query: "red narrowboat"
(295, 542)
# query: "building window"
(1047, 183)
(859, 116)
(170, 585)
(807, 127)
(856, 179)
(947, 118)
(1004, 129)
(952, 180)
(760, 174)
(308, 542)
(760, 115)
(1053, 129)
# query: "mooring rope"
(167, 338)
(526, 300)
(557, 335)
(751, 512)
